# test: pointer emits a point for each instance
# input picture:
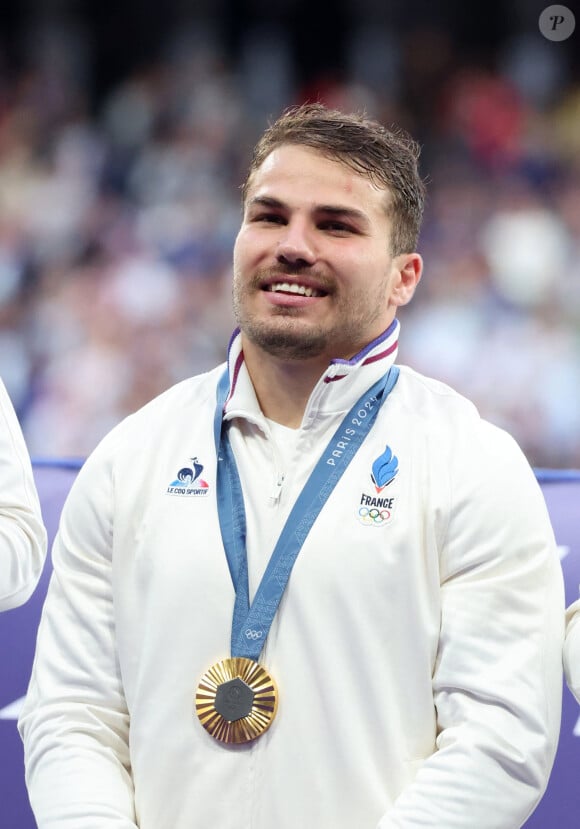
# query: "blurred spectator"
(526, 245)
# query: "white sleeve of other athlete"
(22, 532)
(572, 649)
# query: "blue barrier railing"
(557, 476)
(58, 463)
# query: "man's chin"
(286, 344)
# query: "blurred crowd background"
(124, 137)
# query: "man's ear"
(409, 268)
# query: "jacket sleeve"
(572, 649)
(75, 722)
(22, 533)
(497, 679)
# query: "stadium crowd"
(117, 222)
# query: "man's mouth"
(293, 288)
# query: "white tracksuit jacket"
(22, 533)
(417, 650)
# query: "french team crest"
(376, 509)
(384, 469)
(189, 482)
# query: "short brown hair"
(388, 158)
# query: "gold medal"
(236, 700)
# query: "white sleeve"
(497, 680)
(22, 533)
(572, 649)
(75, 723)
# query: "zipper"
(277, 490)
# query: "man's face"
(313, 276)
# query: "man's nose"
(296, 245)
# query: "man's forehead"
(289, 165)
(303, 158)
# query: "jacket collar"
(339, 387)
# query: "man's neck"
(283, 387)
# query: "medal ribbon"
(251, 624)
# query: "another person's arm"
(497, 679)
(572, 649)
(22, 533)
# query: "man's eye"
(268, 218)
(338, 227)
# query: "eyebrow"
(264, 201)
(337, 210)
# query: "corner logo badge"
(375, 510)
(189, 482)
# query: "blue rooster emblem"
(189, 481)
(188, 475)
(384, 469)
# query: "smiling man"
(355, 618)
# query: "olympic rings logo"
(253, 634)
(373, 517)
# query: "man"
(22, 533)
(380, 558)
(572, 649)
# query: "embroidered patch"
(189, 482)
(376, 510)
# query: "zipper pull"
(275, 496)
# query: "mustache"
(267, 274)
